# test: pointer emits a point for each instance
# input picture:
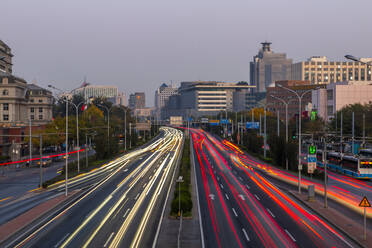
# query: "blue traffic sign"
(252, 125)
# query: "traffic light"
(312, 149)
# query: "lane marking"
(150, 177)
(144, 185)
(271, 213)
(63, 239)
(290, 235)
(245, 234)
(126, 212)
(32, 190)
(6, 198)
(247, 186)
(221, 185)
(108, 240)
(258, 198)
(240, 178)
(137, 196)
(125, 170)
(227, 197)
(236, 215)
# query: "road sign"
(224, 121)
(364, 203)
(252, 125)
(311, 163)
(204, 120)
(312, 149)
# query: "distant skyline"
(137, 45)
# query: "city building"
(318, 70)
(120, 99)
(162, 95)
(327, 101)
(300, 87)
(21, 102)
(94, 91)
(137, 100)
(268, 67)
(202, 98)
(40, 105)
(5, 58)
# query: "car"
(46, 162)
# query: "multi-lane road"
(121, 204)
(241, 208)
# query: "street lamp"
(299, 130)
(353, 58)
(77, 131)
(108, 121)
(66, 134)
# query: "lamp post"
(286, 123)
(77, 131)
(66, 134)
(108, 122)
(299, 130)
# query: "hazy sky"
(139, 44)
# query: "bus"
(353, 166)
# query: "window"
(356, 74)
(330, 110)
(40, 117)
(5, 92)
(32, 117)
(32, 100)
(40, 100)
(329, 94)
(5, 106)
(5, 117)
(40, 110)
(32, 110)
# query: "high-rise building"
(137, 100)
(162, 95)
(318, 70)
(268, 67)
(94, 91)
(5, 58)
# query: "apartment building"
(137, 100)
(319, 70)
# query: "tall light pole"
(299, 130)
(77, 131)
(286, 123)
(265, 135)
(66, 134)
(108, 122)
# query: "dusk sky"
(137, 45)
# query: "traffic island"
(349, 227)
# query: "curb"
(321, 215)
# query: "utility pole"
(86, 150)
(341, 132)
(352, 148)
(260, 125)
(277, 117)
(364, 130)
(41, 160)
(125, 129)
(30, 142)
(130, 135)
(325, 172)
(66, 161)
(265, 132)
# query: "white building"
(89, 91)
(338, 95)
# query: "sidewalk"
(351, 228)
(12, 227)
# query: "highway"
(241, 208)
(122, 204)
